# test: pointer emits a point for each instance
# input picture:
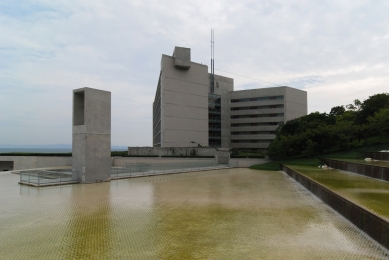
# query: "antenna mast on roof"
(212, 62)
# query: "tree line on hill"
(341, 129)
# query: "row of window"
(257, 124)
(256, 116)
(257, 107)
(257, 99)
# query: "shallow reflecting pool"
(371, 194)
(221, 214)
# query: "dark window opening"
(78, 108)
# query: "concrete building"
(91, 151)
(187, 111)
(180, 108)
(257, 113)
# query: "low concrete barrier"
(245, 162)
(33, 162)
(14, 163)
(171, 151)
(121, 161)
(373, 171)
(373, 225)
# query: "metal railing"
(148, 169)
(47, 177)
(58, 177)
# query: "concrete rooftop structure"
(91, 135)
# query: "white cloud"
(336, 50)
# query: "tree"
(371, 106)
(337, 111)
(380, 122)
(347, 116)
(310, 149)
(318, 133)
(356, 106)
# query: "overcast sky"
(336, 50)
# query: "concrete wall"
(222, 156)
(296, 103)
(92, 134)
(121, 161)
(184, 108)
(182, 58)
(171, 151)
(223, 87)
(32, 162)
(245, 162)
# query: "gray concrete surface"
(182, 58)
(245, 162)
(92, 134)
(38, 162)
(183, 105)
(32, 162)
(171, 151)
(121, 161)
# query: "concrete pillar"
(91, 135)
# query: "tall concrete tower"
(91, 135)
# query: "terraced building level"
(194, 107)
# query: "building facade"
(257, 113)
(188, 112)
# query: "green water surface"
(372, 194)
(220, 214)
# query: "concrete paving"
(220, 214)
